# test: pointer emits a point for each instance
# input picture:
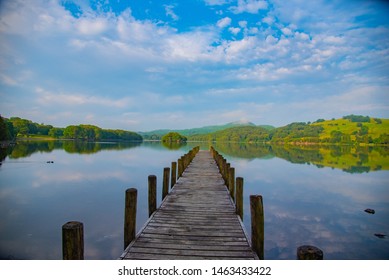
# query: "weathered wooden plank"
(227, 253)
(203, 225)
(167, 237)
(197, 220)
(158, 239)
(197, 247)
(192, 232)
(153, 256)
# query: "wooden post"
(179, 168)
(174, 174)
(165, 185)
(308, 252)
(152, 179)
(231, 183)
(224, 167)
(257, 225)
(73, 241)
(239, 197)
(227, 175)
(130, 216)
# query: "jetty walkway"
(196, 220)
(199, 219)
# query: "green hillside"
(348, 130)
(244, 134)
(157, 134)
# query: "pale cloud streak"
(249, 6)
(48, 98)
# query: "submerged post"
(308, 252)
(257, 225)
(165, 186)
(239, 197)
(152, 180)
(130, 216)
(73, 241)
(174, 174)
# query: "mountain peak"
(242, 122)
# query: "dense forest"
(22, 128)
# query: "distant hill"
(348, 130)
(236, 134)
(157, 134)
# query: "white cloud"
(48, 98)
(170, 12)
(268, 20)
(8, 80)
(249, 6)
(301, 35)
(253, 30)
(286, 31)
(224, 22)
(270, 39)
(333, 40)
(92, 26)
(191, 46)
(234, 30)
(216, 2)
(243, 23)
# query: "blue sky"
(142, 65)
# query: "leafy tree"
(382, 139)
(3, 129)
(378, 121)
(357, 118)
(43, 129)
(296, 131)
(336, 136)
(172, 137)
(56, 132)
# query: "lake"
(312, 195)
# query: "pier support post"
(174, 174)
(73, 241)
(130, 216)
(165, 185)
(231, 182)
(180, 167)
(308, 252)
(239, 197)
(152, 180)
(227, 175)
(257, 225)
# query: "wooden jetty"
(199, 219)
(196, 220)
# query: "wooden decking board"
(169, 237)
(197, 220)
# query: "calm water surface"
(310, 196)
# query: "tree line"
(357, 130)
(18, 127)
(351, 129)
